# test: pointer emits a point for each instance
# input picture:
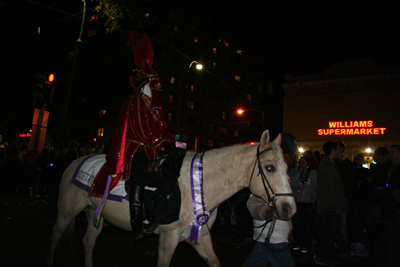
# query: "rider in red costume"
(139, 136)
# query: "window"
(210, 142)
(239, 51)
(92, 33)
(171, 116)
(171, 98)
(214, 65)
(173, 80)
(222, 129)
(249, 97)
(195, 39)
(226, 43)
(223, 115)
(191, 104)
(238, 78)
(102, 113)
(192, 87)
(176, 28)
(221, 144)
(100, 131)
(236, 133)
(214, 50)
(211, 126)
(70, 54)
(146, 15)
(38, 30)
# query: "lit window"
(236, 133)
(92, 32)
(190, 104)
(222, 129)
(192, 87)
(196, 39)
(223, 115)
(146, 15)
(211, 127)
(214, 65)
(214, 50)
(171, 98)
(210, 142)
(249, 97)
(176, 28)
(70, 54)
(238, 78)
(226, 43)
(94, 17)
(173, 80)
(102, 113)
(38, 30)
(171, 116)
(239, 51)
(100, 131)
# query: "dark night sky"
(289, 36)
(306, 36)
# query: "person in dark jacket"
(330, 203)
(348, 173)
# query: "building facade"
(355, 102)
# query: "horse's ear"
(264, 138)
(278, 140)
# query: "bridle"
(272, 196)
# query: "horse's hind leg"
(62, 222)
(91, 235)
(206, 251)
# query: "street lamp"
(198, 67)
(241, 111)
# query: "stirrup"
(150, 227)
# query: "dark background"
(288, 37)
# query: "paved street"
(25, 227)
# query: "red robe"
(140, 123)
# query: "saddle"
(162, 196)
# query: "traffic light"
(48, 86)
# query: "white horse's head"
(270, 180)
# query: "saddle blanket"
(86, 172)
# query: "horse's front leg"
(166, 247)
(206, 250)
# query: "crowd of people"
(339, 201)
(26, 173)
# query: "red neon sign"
(352, 128)
(25, 135)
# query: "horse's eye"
(270, 168)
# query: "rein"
(271, 196)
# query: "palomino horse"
(225, 171)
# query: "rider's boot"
(139, 170)
(136, 209)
